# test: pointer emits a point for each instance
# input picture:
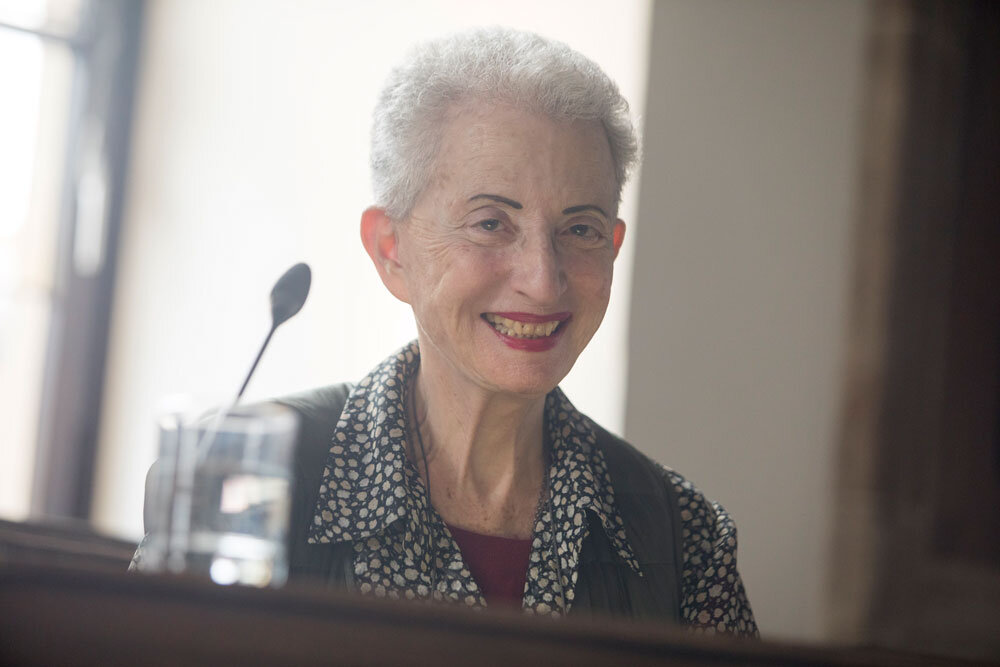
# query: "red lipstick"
(540, 344)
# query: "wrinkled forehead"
(523, 154)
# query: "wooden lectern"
(62, 616)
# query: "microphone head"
(289, 293)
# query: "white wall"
(250, 153)
(740, 276)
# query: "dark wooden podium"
(63, 616)
(65, 599)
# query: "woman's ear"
(378, 234)
(618, 235)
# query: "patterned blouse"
(372, 496)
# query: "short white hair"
(491, 65)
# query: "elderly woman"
(457, 470)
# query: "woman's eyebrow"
(498, 198)
(584, 207)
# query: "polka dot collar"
(372, 496)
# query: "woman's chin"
(528, 366)
(527, 374)
(505, 364)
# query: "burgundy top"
(498, 564)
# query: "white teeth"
(518, 329)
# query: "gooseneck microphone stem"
(256, 361)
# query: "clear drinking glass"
(220, 496)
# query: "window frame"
(106, 49)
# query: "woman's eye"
(583, 231)
(490, 225)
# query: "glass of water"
(220, 494)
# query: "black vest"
(646, 502)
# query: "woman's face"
(508, 252)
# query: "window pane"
(58, 17)
(36, 77)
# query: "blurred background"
(163, 162)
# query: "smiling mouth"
(518, 329)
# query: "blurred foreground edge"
(57, 615)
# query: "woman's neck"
(484, 451)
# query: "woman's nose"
(538, 272)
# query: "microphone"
(289, 293)
(287, 297)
